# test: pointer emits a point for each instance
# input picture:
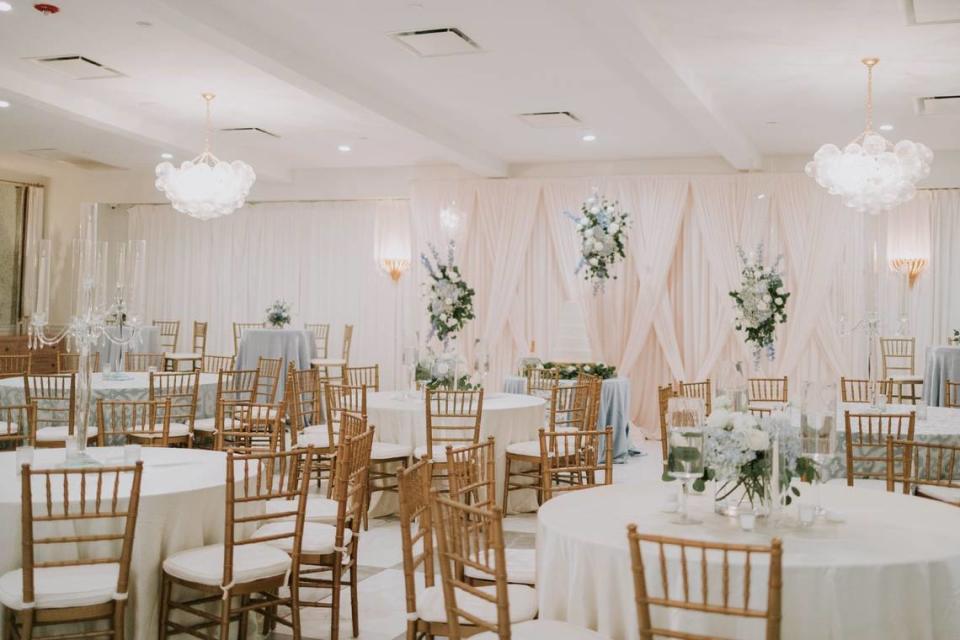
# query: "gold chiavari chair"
(18, 423)
(928, 469)
(595, 383)
(169, 334)
(326, 365)
(330, 550)
(904, 391)
(89, 582)
(15, 366)
(471, 472)
(340, 398)
(321, 338)
(664, 394)
(701, 390)
(305, 394)
(142, 362)
(384, 456)
(172, 360)
(898, 356)
(568, 408)
(469, 536)
(216, 364)
(362, 376)
(241, 427)
(144, 422)
(56, 402)
(866, 440)
(540, 382)
(951, 394)
(248, 571)
(767, 389)
(854, 390)
(238, 387)
(239, 328)
(269, 371)
(572, 460)
(70, 362)
(453, 418)
(734, 562)
(181, 388)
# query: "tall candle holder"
(91, 310)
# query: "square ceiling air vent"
(939, 106)
(78, 67)
(254, 130)
(431, 43)
(932, 11)
(551, 119)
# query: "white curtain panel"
(319, 257)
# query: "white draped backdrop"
(667, 315)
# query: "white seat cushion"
(541, 629)
(205, 564)
(906, 377)
(318, 439)
(944, 494)
(182, 356)
(523, 603)
(388, 451)
(60, 434)
(209, 425)
(319, 509)
(532, 447)
(318, 538)
(261, 413)
(439, 453)
(328, 362)
(177, 430)
(521, 567)
(60, 587)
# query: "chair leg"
(26, 631)
(225, 618)
(165, 587)
(295, 603)
(506, 485)
(354, 600)
(242, 626)
(335, 600)
(119, 629)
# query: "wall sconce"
(910, 267)
(394, 267)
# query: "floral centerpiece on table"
(449, 300)
(278, 314)
(738, 454)
(570, 370)
(761, 302)
(602, 227)
(443, 371)
(955, 338)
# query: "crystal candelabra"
(871, 325)
(92, 310)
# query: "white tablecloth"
(890, 571)
(508, 417)
(942, 364)
(181, 507)
(137, 387)
(292, 345)
(148, 341)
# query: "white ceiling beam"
(95, 113)
(319, 74)
(630, 44)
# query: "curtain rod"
(137, 204)
(20, 183)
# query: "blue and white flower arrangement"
(278, 314)
(602, 228)
(450, 299)
(761, 303)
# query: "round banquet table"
(508, 417)
(290, 345)
(891, 570)
(181, 507)
(137, 387)
(942, 364)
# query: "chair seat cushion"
(318, 538)
(389, 450)
(204, 565)
(319, 509)
(328, 362)
(905, 377)
(439, 453)
(259, 412)
(60, 434)
(521, 567)
(539, 629)
(316, 439)
(177, 430)
(523, 603)
(531, 448)
(60, 587)
(182, 356)
(943, 494)
(209, 425)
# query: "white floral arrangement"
(439, 370)
(955, 338)
(450, 300)
(602, 227)
(761, 302)
(278, 314)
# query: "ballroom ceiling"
(662, 78)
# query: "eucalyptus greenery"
(570, 370)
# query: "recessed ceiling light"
(6, 6)
(4, 104)
(588, 137)
(343, 147)
(166, 156)
(886, 127)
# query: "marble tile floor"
(381, 588)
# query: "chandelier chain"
(870, 63)
(208, 97)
